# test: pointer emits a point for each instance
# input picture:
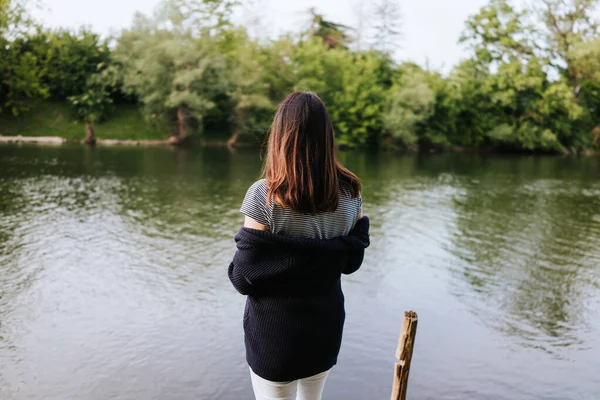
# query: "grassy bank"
(56, 119)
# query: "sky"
(431, 28)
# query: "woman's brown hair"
(302, 170)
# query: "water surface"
(113, 277)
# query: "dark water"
(113, 276)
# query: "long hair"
(302, 170)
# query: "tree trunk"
(596, 133)
(182, 127)
(182, 113)
(232, 140)
(90, 138)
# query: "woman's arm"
(252, 270)
(253, 224)
(355, 259)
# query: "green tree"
(173, 70)
(585, 62)
(15, 20)
(570, 29)
(21, 70)
(250, 107)
(568, 25)
(471, 113)
(351, 85)
(72, 56)
(522, 107)
(21, 74)
(279, 68)
(38, 63)
(409, 106)
(94, 104)
(498, 33)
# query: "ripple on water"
(113, 277)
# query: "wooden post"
(404, 355)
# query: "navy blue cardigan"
(294, 313)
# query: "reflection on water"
(113, 283)
(530, 249)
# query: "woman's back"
(285, 221)
(301, 233)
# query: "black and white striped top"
(285, 221)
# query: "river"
(113, 279)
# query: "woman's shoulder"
(257, 193)
(255, 203)
(258, 188)
(350, 204)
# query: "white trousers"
(310, 388)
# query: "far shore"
(55, 141)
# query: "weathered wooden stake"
(404, 355)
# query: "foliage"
(15, 20)
(40, 63)
(20, 69)
(94, 104)
(172, 72)
(567, 25)
(21, 77)
(249, 105)
(529, 108)
(350, 84)
(71, 58)
(530, 81)
(498, 33)
(409, 105)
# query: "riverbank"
(52, 123)
(55, 119)
(57, 141)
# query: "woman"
(303, 229)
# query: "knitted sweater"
(294, 313)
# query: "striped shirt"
(285, 221)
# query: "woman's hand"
(253, 224)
